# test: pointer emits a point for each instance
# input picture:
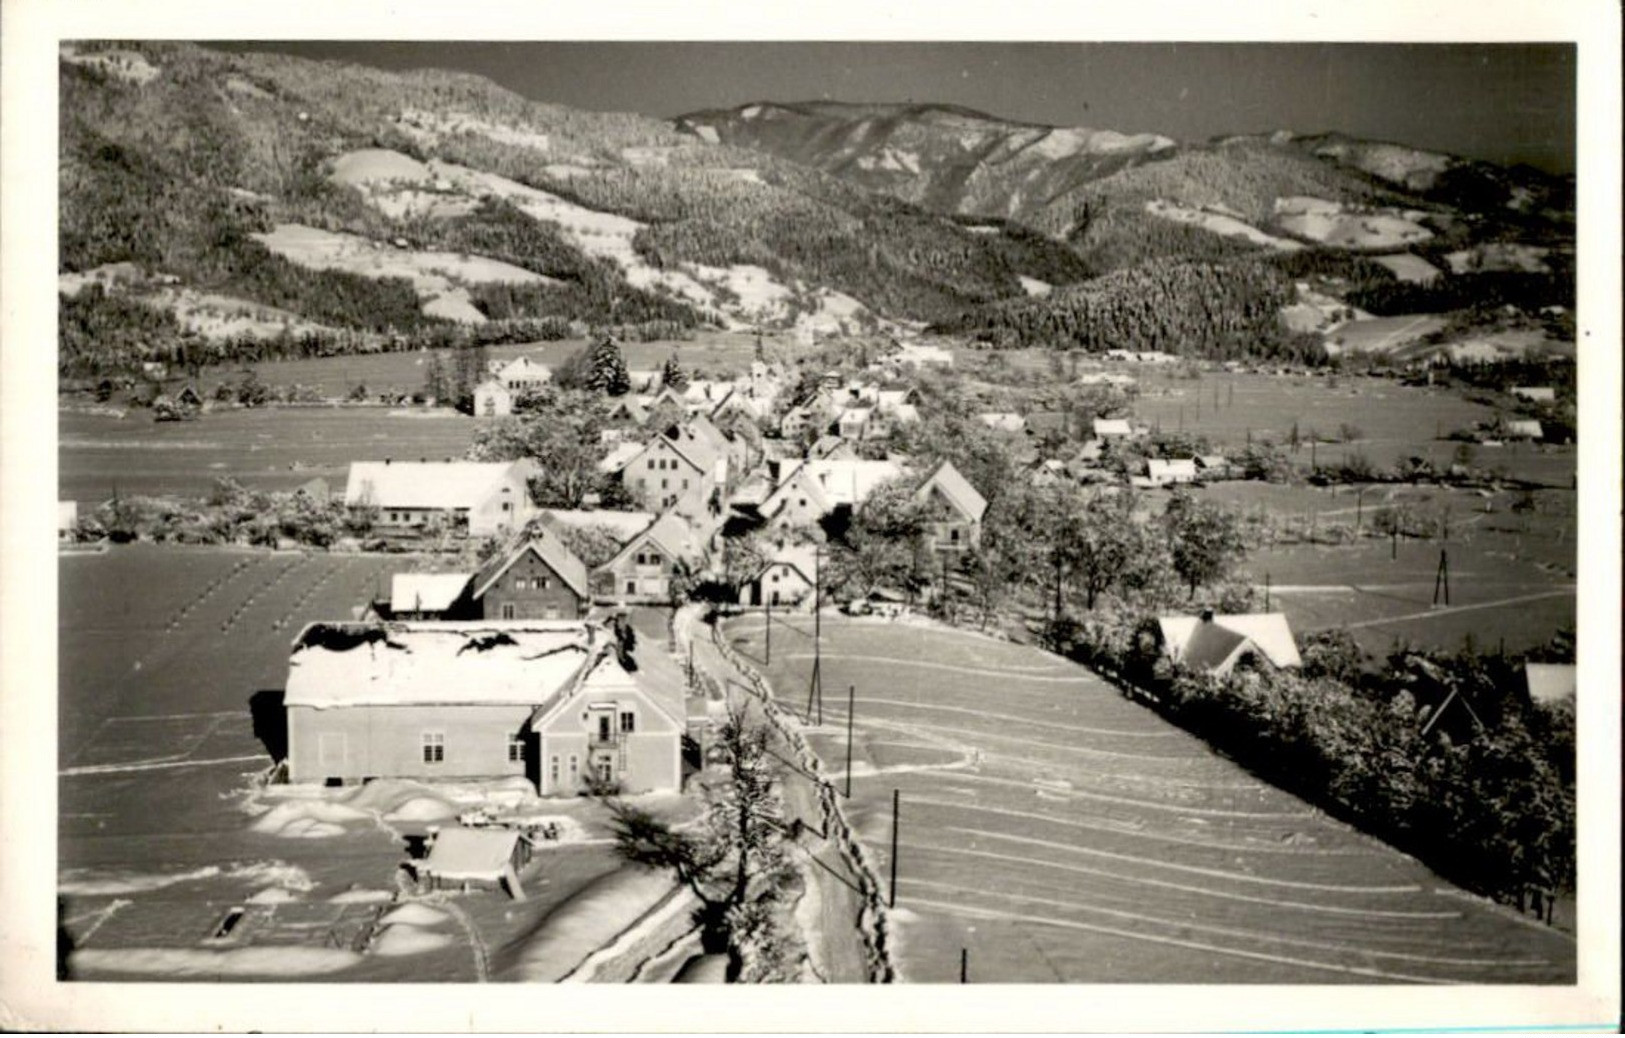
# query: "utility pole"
(851, 700)
(1393, 540)
(891, 894)
(964, 965)
(815, 689)
(1441, 579)
(1266, 591)
(768, 633)
(1359, 502)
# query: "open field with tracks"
(275, 448)
(1056, 830)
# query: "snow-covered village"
(812, 542)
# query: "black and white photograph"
(1092, 511)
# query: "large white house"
(543, 699)
(494, 497)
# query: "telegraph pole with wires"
(1441, 579)
(851, 701)
(815, 688)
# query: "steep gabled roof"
(547, 547)
(1214, 645)
(604, 676)
(953, 486)
(797, 479)
(669, 532)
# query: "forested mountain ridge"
(217, 207)
(264, 205)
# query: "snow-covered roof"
(620, 457)
(626, 525)
(1524, 427)
(850, 481)
(1550, 682)
(430, 484)
(1216, 644)
(956, 488)
(415, 592)
(435, 663)
(1112, 427)
(461, 853)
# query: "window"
(541, 583)
(575, 771)
(519, 583)
(628, 721)
(665, 484)
(553, 770)
(507, 611)
(631, 587)
(651, 463)
(685, 484)
(516, 748)
(434, 747)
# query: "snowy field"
(1060, 832)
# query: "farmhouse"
(788, 579)
(954, 509)
(492, 399)
(798, 500)
(1215, 644)
(523, 375)
(644, 568)
(684, 468)
(1213, 466)
(484, 858)
(492, 497)
(850, 481)
(1112, 428)
(854, 423)
(474, 701)
(831, 448)
(1162, 472)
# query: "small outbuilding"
(485, 858)
(1215, 644)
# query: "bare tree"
(733, 858)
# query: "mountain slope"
(388, 208)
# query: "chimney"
(1207, 616)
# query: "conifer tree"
(607, 370)
(672, 373)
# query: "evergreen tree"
(672, 373)
(607, 370)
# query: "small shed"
(485, 858)
(1524, 429)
